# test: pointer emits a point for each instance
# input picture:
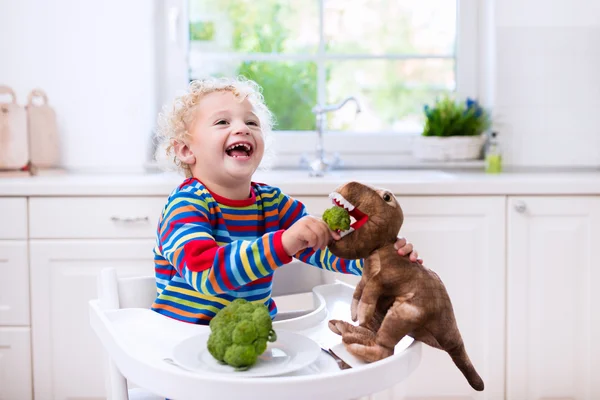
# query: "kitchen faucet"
(320, 164)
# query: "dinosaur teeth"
(339, 200)
(345, 233)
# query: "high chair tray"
(140, 342)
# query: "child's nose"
(240, 128)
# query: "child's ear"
(184, 153)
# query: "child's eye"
(252, 123)
(221, 122)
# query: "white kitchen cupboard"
(68, 359)
(15, 347)
(463, 240)
(552, 319)
(15, 363)
(15, 353)
(71, 240)
(553, 308)
(14, 283)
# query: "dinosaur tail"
(462, 361)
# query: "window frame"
(355, 149)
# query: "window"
(392, 55)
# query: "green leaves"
(202, 31)
(289, 88)
(451, 118)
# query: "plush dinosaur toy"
(395, 297)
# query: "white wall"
(96, 61)
(547, 81)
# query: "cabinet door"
(553, 299)
(15, 364)
(14, 283)
(68, 359)
(463, 240)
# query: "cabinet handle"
(130, 220)
(520, 207)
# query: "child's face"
(226, 141)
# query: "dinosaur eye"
(387, 197)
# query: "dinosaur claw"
(365, 312)
(369, 353)
(333, 326)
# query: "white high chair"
(139, 292)
(115, 293)
(137, 341)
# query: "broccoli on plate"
(239, 333)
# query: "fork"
(341, 363)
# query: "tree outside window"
(393, 55)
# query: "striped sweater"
(211, 250)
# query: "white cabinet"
(553, 307)
(13, 218)
(520, 272)
(15, 363)
(94, 217)
(15, 347)
(463, 240)
(67, 357)
(14, 283)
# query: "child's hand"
(404, 248)
(307, 232)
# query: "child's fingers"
(323, 236)
(322, 232)
(406, 249)
(309, 237)
(330, 234)
(400, 242)
(335, 235)
(414, 256)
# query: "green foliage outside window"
(391, 90)
(202, 31)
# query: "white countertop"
(298, 183)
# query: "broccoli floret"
(337, 218)
(239, 333)
(241, 356)
(244, 332)
(218, 343)
(260, 345)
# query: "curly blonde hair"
(175, 118)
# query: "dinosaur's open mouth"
(357, 217)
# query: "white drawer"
(13, 218)
(94, 217)
(14, 284)
(15, 364)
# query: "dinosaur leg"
(368, 301)
(356, 298)
(351, 333)
(401, 319)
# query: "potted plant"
(453, 130)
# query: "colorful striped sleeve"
(290, 211)
(186, 241)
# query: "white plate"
(290, 352)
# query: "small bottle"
(493, 156)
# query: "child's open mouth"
(240, 150)
(357, 217)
